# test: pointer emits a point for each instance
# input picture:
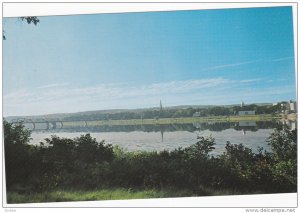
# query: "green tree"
(284, 154)
(17, 153)
(283, 144)
(201, 148)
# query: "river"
(169, 137)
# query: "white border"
(43, 9)
(266, 200)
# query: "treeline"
(174, 113)
(83, 163)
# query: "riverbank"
(161, 121)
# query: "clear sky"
(134, 60)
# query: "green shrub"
(83, 163)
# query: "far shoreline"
(184, 120)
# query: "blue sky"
(133, 60)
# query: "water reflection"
(171, 136)
(191, 127)
(246, 124)
(289, 124)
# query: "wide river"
(168, 137)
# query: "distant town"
(285, 111)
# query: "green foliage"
(284, 155)
(171, 113)
(83, 163)
(67, 158)
(30, 19)
(18, 154)
(240, 161)
(201, 148)
(284, 145)
(89, 150)
(15, 134)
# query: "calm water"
(169, 137)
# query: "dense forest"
(84, 163)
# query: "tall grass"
(112, 194)
(102, 194)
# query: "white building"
(292, 106)
(196, 114)
(247, 112)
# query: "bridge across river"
(46, 124)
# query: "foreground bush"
(85, 164)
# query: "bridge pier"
(44, 121)
(54, 124)
(62, 124)
(32, 124)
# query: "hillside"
(169, 111)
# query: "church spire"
(160, 106)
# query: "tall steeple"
(242, 104)
(160, 105)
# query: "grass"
(112, 194)
(186, 120)
(102, 194)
